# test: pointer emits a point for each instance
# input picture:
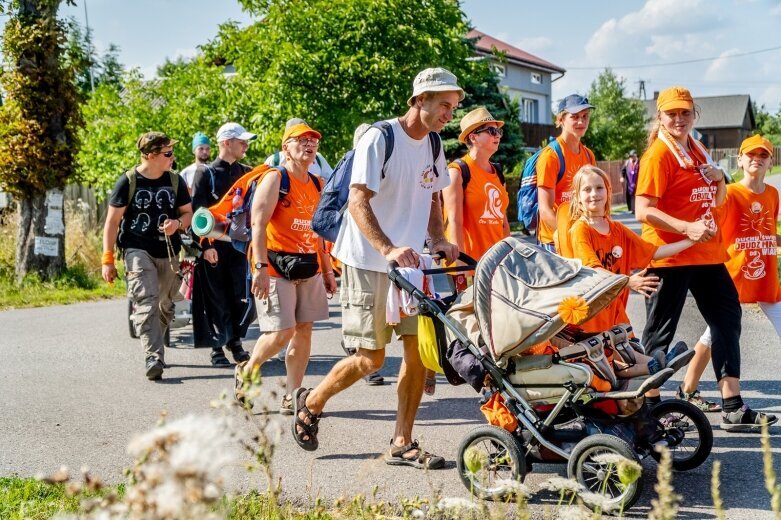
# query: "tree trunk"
(46, 256)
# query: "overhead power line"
(684, 62)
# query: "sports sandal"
(307, 436)
(413, 455)
(741, 421)
(430, 385)
(238, 384)
(374, 379)
(697, 400)
(219, 359)
(286, 408)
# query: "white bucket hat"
(435, 80)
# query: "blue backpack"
(528, 209)
(333, 202)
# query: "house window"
(499, 69)
(529, 110)
(536, 78)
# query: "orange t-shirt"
(683, 194)
(620, 251)
(484, 210)
(290, 228)
(563, 225)
(748, 231)
(548, 173)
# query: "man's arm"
(110, 230)
(436, 231)
(545, 200)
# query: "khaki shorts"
(363, 298)
(291, 302)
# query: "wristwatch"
(260, 265)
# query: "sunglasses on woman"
(168, 154)
(492, 131)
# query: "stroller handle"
(404, 285)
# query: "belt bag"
(294, 266)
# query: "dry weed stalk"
(715, 490)
(665, 506)
(770, 475)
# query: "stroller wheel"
(687, 431)
(601, 476)
(490, 460)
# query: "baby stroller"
(547, 408)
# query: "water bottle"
(237, 200)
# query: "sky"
(639, 40)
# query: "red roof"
(487, 44)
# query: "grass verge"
(31, 499)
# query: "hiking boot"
(697, 400)
(286, 408)
(154, 369)
(745, 420)
(238, 354)
(238, 384)
(219, 359)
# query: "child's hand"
(644, 283)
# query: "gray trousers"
(152, 284)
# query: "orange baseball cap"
(675, 98)
(754, 142)
(299, 130)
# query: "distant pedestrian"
(388, 217)
(629, 173)
(223, 307)
(201, 147)
(147, 210)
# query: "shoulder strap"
(174, 183)
(387, 133)
(556, 147)
(284, 182)
(211, 181)
(132, 177)
(318, 160)
(436, 148)
(466, 175)
(499, 171)
(276, 160)
(316, 181)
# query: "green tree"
(90, 68)
(618, 124)
(767, 124)
(38, 128)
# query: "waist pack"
(294, 266)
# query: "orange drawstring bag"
(497, 414)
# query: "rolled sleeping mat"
(206, 226)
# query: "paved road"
(72, 392)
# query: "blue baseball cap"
(573, 104)
(200, 139)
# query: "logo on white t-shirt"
(427, 178)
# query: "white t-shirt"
(320, 167)
(188, 174)
(402, 200)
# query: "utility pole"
(89, 48)
(641, 94)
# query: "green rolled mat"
(205, 225)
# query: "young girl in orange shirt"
(599, 241)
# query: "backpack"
(235, 206)
(333, 203)
(528, 209)
(466, 175)
(132, 179)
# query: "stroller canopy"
(518, 289)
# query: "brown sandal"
(307, 436)
(413, 455)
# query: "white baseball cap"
(234, 131)
(436, 79)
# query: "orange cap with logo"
(299, 130)
(754, 142)
(674, 98)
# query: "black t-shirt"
(153, 202)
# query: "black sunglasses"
(492, 131)
(169, 153)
